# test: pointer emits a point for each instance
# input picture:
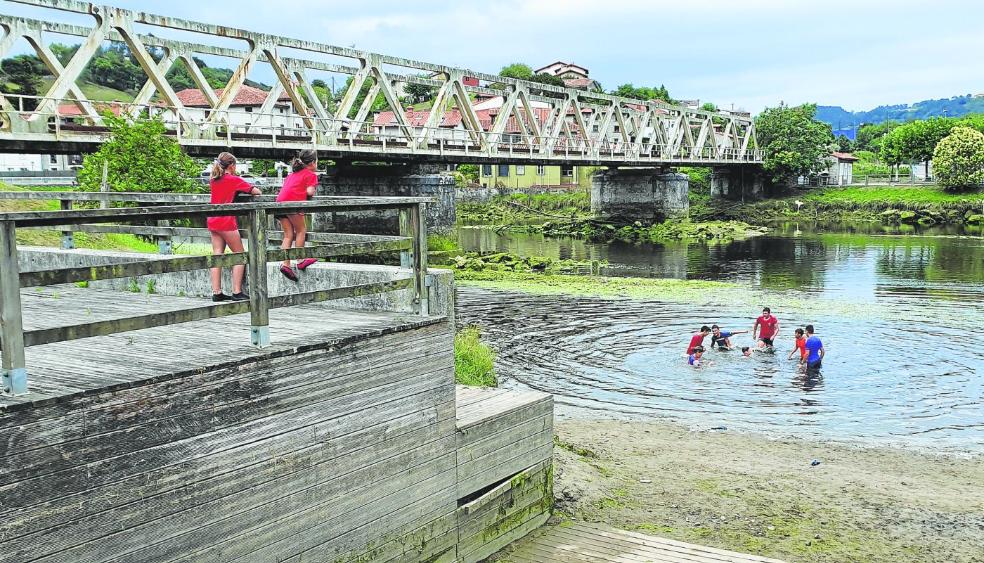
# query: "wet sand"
(754, 494)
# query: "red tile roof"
(579, 82)
(72, 110)
(844, 156)
(247, 96)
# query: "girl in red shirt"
(300, 185)
(800, 345)
(225, 184)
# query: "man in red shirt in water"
(770, 328)
(698, 339)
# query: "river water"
(900, 315)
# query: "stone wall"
(383, 181)
(639, 194)
(484, 194)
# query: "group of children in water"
(764, 332)
(226, 187)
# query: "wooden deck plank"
(70, 368)
(588, 542)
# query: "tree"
(140, 158)
(418, 93)
(469, 172)
(915, 141)
(708, 106)
(958, 159)
(844, 144)
(794, 142)
(643, 93)
(21, 76)
(870, 135)
(517, 70)
(550, 79)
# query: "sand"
(753, 494)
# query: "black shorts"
(814, 366)
(767, 341)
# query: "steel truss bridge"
(536, 123)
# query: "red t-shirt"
(296, 185)
(695, 341)
(768, 326)
(223, 191)
(801, 346)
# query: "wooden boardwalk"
(586, 542)
(120, 360)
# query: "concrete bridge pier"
(649, 195)
(387, 180)
(737, 183)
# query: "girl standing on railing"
(225, 185)
(300, 185)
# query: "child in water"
(799, 345)
(695, 357)
(746, 352)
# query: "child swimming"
(695, 357)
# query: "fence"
(411, 243)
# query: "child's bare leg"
(218, 248)
(289, 235)
(235, 243)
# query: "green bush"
(473, 360)
(141, 158)
(958, 160)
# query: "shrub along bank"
(926, 205)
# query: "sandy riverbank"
(753, 494)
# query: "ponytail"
(303, 158)
(219, 165)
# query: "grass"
(880, 196)
(95, 92)
(473, 360)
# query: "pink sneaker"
(303, 264)
(288, 273)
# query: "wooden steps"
(588, 542)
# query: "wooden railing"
(412, 245)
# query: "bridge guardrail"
(412, 244)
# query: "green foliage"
(844, 144)
(958, 159)
(643, 93)
(550, 79)
(473, 360)
(869, 164)
(915, 141)
(956, 106)
(468, 173)
(418, 93)
(517, 70)
(794, 142)
(140, 159)
(708, 106)
(440, 243)
(379, 104)
(870, 136)
(21, 75)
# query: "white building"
(39, 162)
(244, 113)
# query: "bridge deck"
(594, 542)
(69, 368)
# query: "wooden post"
(257, 269)
(67, 238)
(164, 241)
(418, 227)
(13, 377)
(405, 261)
(104, 186)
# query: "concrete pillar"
(738, 183)
(380, 181)
(625, 195)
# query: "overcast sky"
(750, 53)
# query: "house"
(841, 169)
(281, 119)
(40, 163)
(574, 76)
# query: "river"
(900, 315)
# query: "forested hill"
(956, 106)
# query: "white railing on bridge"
(534, 122)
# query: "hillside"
(94, 92)
(956, 106)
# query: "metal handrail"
(412, 244)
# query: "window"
(541, 170)
(249, 109)
(504, 170)
(566, 170)
(53, 158)
(520, 170)
(486, 170)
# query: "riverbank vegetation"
(925, 205)
(473, 359)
